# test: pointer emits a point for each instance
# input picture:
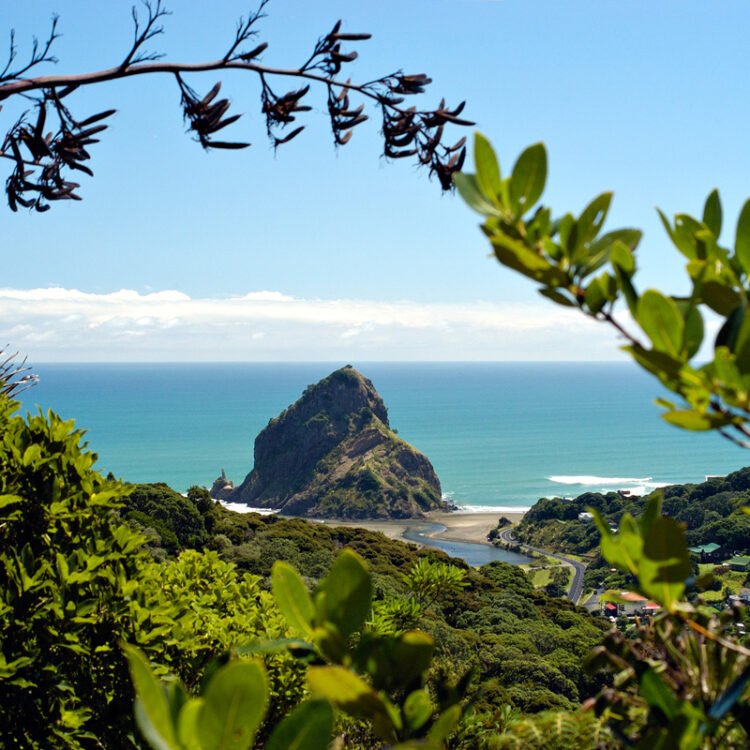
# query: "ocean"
(500, 435)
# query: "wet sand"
(459, 527)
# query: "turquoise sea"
(499, 434)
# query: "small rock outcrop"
(332, 454)
(222, 487)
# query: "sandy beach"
(459, 527)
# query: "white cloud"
(58, 324)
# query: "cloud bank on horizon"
(57, 325)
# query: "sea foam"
(242, 508)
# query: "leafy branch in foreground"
(576, 265)
(43, 155)
(377, 679)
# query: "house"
(631, 604)
(585, 516)
(739, 563)
(707, 552)
(743, 597)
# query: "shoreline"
(471, 528)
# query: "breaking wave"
(242, 508)
(492, 508)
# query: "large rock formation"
(332, 454)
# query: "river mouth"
(474, 554)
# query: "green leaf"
(624, 282)
(557, 297)
(656, 693)
(417, 709)
(444, 724)
(151, 707)
(187, 724)
(661, 320)
(590, 221)
(292, 598)
(719, 296)
(730, 696)
(712, 213)
(488, 169)
(727, 335)
(742, 238)
(594, 297)
(347, 593)
(695, 421)
(693, 335)
(528, 178)
(234, 704)
(354, 696)
(665, 563)
(621, 256)
(469, 190)
(308, 727)
(514, 254)
(666, 368)
(274, 646)
(6, 500)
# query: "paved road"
(576, 585)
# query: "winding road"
(576, 585)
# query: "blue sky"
(313, 253)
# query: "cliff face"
(332, 454)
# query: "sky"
(314, 253)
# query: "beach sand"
(459, 527)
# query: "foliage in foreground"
(75, 582)
(576, 265)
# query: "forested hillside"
(528, 648)
(711, 512)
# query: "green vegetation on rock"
(332, 454)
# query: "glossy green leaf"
(666, 368)
(274, 646)
(234, 704)
(742, 238)
(468, 188)
(557, 297)
(151, 708)
(594, 297)
(712, 213)
(514, 254)
(417, 709)
(665, 563)
(488, 170)
(720, 297)
(292, 598)
(347, 593)
(628, 290)
(528, 178)
(354, 696)
(591, 220)
(187, 725)
(661, 320)
(693, 334)
(688, 419)
(621, 255)
(444, 724)
(727, 335)
(656, 693)
(308, 727)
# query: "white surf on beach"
(634, 485)
(499, 509)
(242, 508)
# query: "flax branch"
(41, 158)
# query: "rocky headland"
(332, 454)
